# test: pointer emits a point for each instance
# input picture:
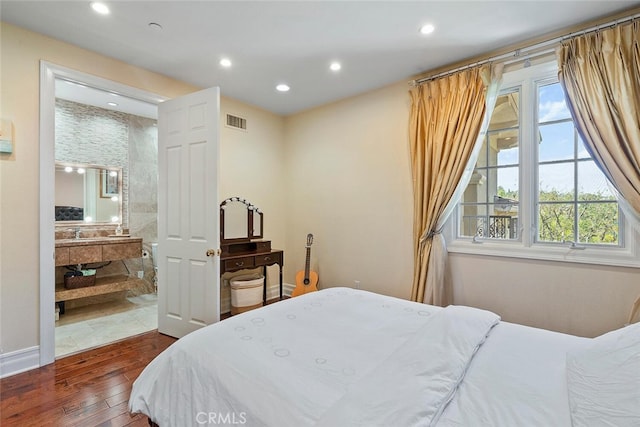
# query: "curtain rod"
(521, 54)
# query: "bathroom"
(95, 138)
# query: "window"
(574, 201)
(490, 203)
(535, 191)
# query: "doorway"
(96, 132)
(50, 74)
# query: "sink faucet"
(76, 230)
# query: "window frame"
(575, 161)
(494, 170)
(526, 245)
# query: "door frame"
(48, 74)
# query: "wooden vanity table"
(240, 223)
(247, 255)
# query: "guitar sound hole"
(306, 281)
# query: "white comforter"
(337, 357)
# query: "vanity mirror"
(240, 220)
(88, 193)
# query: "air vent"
(236, 122)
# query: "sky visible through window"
(557, 144)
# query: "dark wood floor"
(87, 389)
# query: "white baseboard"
(272, 292)
(19, 361)
(287, 288)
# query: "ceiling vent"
(236, 122)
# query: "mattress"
(349, 357)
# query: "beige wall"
(350, 186)
(579, 299)
(21, 52)
(251, 167)
(69, 189)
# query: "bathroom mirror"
(240, 220)
(88, 194)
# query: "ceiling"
(293, 42)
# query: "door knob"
(213, 252)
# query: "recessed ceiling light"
(282, 88)
(113, 104)
(101, 8)
(225, 62)
(335, 66)
(68, 169)
(427, 29)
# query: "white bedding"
(604, 380)
(341, 357)
(518, 379)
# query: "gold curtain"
(446, 118)
(600, 73)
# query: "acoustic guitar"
(307, 280)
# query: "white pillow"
(604, 380)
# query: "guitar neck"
(306, 266)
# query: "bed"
(345, 357)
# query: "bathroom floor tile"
(82, 328)
(66, 345)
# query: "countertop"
(88, 241)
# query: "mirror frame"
(251, 217)
(99, 167)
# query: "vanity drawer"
(268, 259)
(62, 256)
(85, 254)
(118, 251)
(245, 262)
(264, 246)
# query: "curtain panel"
(445, 122)
(600, 74)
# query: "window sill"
(618, 257)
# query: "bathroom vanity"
(96, 250)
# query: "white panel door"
(188, 213)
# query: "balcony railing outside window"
(492, 227)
